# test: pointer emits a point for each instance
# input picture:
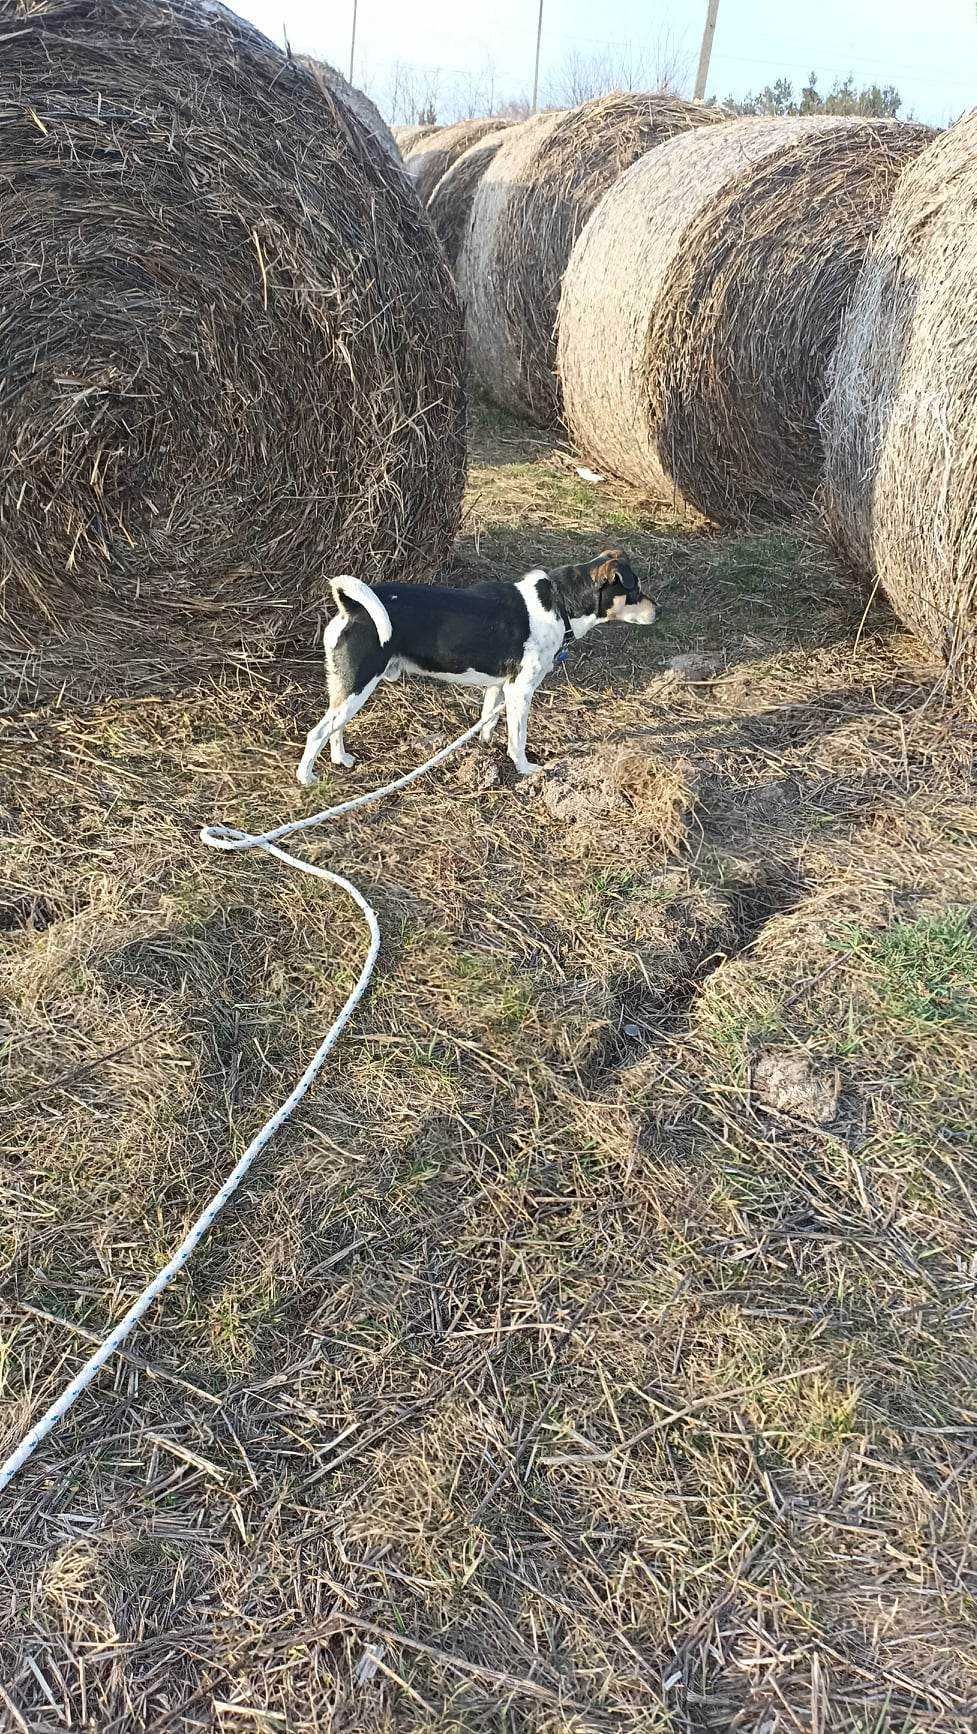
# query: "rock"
(695, 667)
(789, 1082)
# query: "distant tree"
(582, 77)
(517, 108)
(879, 102)
(413, 95)
(424, 95)
(472, 94)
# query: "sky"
(929, 51)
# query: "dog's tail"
(348, 590)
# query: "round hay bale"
(901, 477)
(426, 161)
(492, 347)
(703, 302)
(450, 204)
(530, 206)
(406, 137)
(231, 351)
(366, 112)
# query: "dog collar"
(568, 639)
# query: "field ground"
(596, 1349)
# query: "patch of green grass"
(435, 1056)
(489, 421)
(830, 1413)
(501, 1001)
(925, 971)
(734, 1013)
(767, 555)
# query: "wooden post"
(706, 51)
(539, 38)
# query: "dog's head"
(616, 591)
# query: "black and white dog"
(503, 637)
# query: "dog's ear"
(605, 567)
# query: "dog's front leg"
(518, 703)
(490, 723)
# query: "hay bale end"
(703, 302)
(530, 206)
(900, 495)
(333, 83)
(427, 161)
(450, 204)
(406, 137)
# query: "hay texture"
(899, 422)
(427, 161)
(450, 204)
(703, 302)
(529, 208)
(357, 101)
(230, 349)
(406, 137)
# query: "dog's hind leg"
(337, 747)
(331, 729)
(490, 722)
(339, 692)
(315, 740)
(337, 750)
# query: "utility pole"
(706, 51)
(352, 42)
(539, 38)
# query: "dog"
(503, 637)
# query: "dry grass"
(898, 425)
(237, 363)
(703, 301)
(543, 1377)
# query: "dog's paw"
(306, 778)
(528, 769)
(345, 760)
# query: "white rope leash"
(225, 837)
